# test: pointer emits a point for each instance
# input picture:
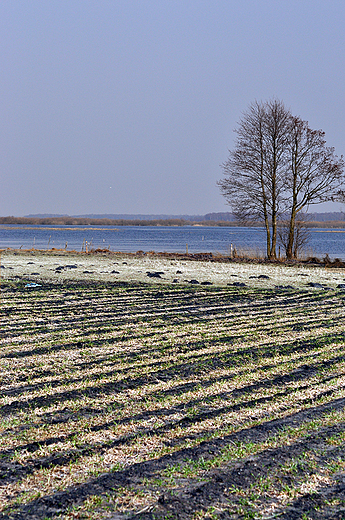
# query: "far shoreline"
(80, 221)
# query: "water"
(160, 238)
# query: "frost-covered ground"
(61, 266)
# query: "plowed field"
(123, 400)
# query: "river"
(161, 238)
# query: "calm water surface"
(160, 238)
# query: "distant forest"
(331, 219)
(224, 216)
(100, 221)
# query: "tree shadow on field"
(226, 485)
(198, 365)
(191, 302)
(64, 457)
(238, 304)
(76, 345)
(226, 359)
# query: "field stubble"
(124, 400)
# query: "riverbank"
(60, 266)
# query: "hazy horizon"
(328, 215)
(129, 107)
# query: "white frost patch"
(122, 267)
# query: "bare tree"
(279, 167)
(315, 174)
(256, 169)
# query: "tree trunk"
(294, 169)
(289, 247)
(268, 237)
(273, 252)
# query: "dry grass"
(124, 399)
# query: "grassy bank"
(123, 399)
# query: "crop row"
(189, 401)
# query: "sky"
(130, 106)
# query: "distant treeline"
(82, 221)
(225, 216)
(123, 216)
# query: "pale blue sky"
(123, 106)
